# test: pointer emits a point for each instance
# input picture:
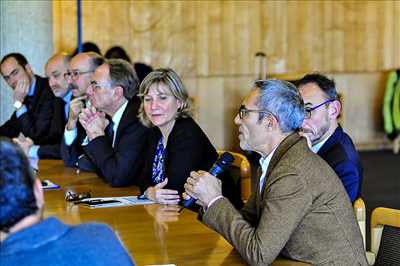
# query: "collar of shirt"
(67, 100)
(32, 87)
(33, 237)
(318, 146)
(264, 163)
(117, 118)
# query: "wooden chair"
(360, 213)
(385, 242)
(243, 164)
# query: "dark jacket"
(52, 151)
(188, 149)
(119, 165)
(35, 123)
(339, 152)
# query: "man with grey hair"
(115, 138)
(299, 209)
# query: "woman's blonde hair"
(168, 77)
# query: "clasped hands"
(200, 185)
(93, 121)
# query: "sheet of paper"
(122, 202)
(48, 184)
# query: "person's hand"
(21, 90)
(93, 122)
(24, 143)
(203, 187)
(162, 214)
(161, 195)
(75, 107)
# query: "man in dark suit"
(55, 69)
(327, 137)
(115, 138)
(78, 76)
(33, 101)
(299, 209)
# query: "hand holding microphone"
(203, 186)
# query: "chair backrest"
(243, 164)
(385, 236)
(360, 213)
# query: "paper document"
(47, 184)
(107, 202)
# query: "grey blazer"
(303, 213)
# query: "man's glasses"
(71, 196)
(308, 110)
(75, 74)
(243, 111)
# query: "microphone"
(222, 163)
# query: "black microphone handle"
(215, 170)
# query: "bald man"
(55, 69)
(80, 71)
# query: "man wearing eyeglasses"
(115, 139)
(78, 76)
(55, 69)
(299, 208)
(33, 101)
(328, 140)
(26, 238)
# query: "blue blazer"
(339, 152)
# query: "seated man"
(55, 69)
(299, 209)
(327, 137)
(115, 139)
(33, 101)
(27, 239)
(78, 76)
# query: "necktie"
(109, 131)
(28, 102)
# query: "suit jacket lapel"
(126, 119)
(283, 147)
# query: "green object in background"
(388, 102)
(396, 106)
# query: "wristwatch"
(17, 104)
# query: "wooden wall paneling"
(228, 52)
(211, 108)
(188, 24)
(295, 37)
(337, 53)
(274, 35)
(215, 38)
(254, 38)
(396, 35)
(201, 38)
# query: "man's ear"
(119, 91)
(28, 69)
(270, 122)
(334, 109)
(38, 192)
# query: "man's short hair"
(283, 100)
(17, 199)
(122, 74)
(21, 60)
(323, 82)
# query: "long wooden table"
(152, 234)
